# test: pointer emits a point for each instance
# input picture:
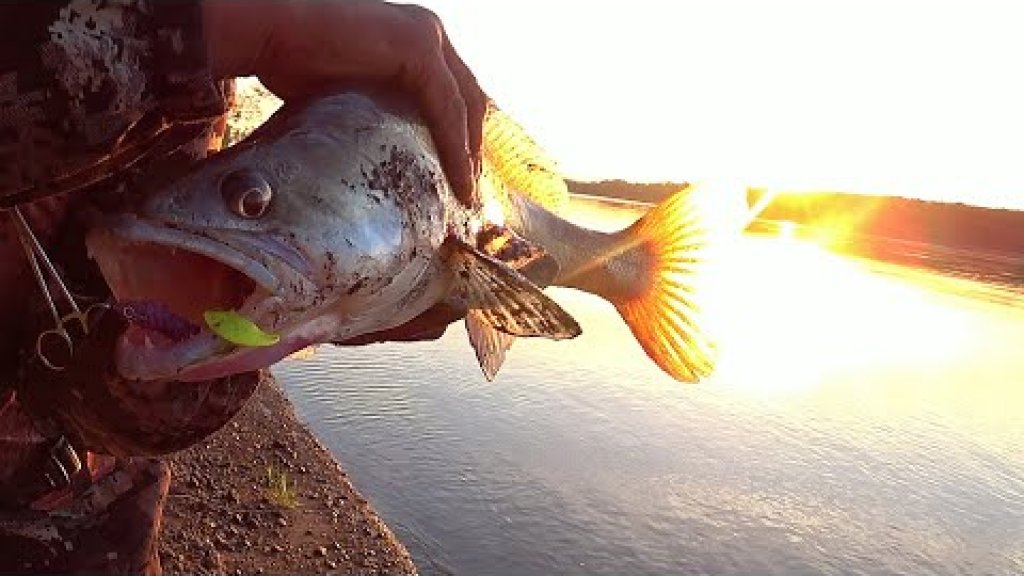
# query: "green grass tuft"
(279, 491)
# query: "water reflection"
(823, 330)
(861, 422)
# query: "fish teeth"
(148, 343)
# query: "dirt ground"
(227, 512)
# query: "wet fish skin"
(363, 235)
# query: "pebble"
(211, 560)
(321, 551)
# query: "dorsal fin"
(520, 164)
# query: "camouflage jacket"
(89, 88)
(93, 92)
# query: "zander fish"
(334, 221)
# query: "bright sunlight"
(901, 97)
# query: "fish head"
(309, 229)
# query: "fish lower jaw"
(242, 360)
(299, 335)
(146, 353)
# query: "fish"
(333, 222)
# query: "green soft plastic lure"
(238, 329)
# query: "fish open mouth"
(163, 280)
(165, 290)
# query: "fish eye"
(246, 193)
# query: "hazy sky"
(912, 98)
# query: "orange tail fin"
(667, 314)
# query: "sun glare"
(787, 230)
(789, 315)
(695, 89)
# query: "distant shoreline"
(846, 217)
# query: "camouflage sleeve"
(91, 87)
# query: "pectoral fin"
(503, 298)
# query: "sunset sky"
(878, 96)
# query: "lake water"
(865, 419)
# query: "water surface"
(865, 419)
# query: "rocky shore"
(263, 496)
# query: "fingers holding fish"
(451, 101)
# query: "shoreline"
(223, 515)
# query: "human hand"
(298, 46)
